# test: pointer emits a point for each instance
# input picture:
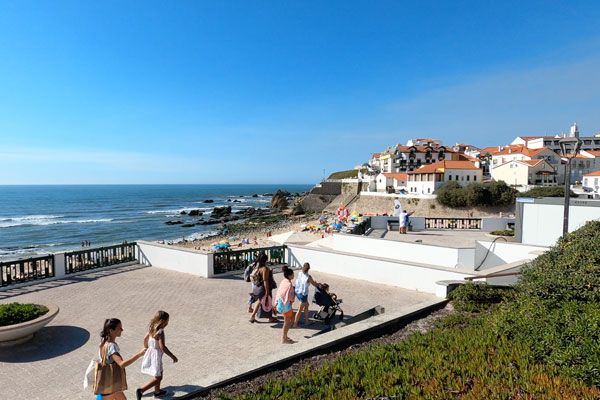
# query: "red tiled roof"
(442, 165)
(593, 173)
(376, 155)
(396, 175)
(519, 149)
(595, 153)
(465, 157)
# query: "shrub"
(546, 191)
(448, 363)
(503, 232)
(569, 271)
(15, 313)
(452, 194)
(473, 297)
(566, 338)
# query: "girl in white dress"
(152, 362)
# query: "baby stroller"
(329, 303)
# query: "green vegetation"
(264, 221)
(539, 340)
(503, 232)
(352, 173)
(15, 313)
(473, 297)
(546, 191)
(452, 194)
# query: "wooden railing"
(238, 260)
(82, 260)
(26, 270)
(453, 223)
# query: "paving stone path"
(209, 329)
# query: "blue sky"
(278, 92)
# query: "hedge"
(452, 194)
(15, 313)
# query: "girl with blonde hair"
(152, 363)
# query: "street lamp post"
(569, 147)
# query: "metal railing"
(26, 270)
(453, 223)
(83, 260)
(228, 261)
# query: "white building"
(525, 173)
(391, 182)
(429, 178)
(503, 155)
(591, 184)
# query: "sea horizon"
(42, 219)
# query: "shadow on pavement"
(50, 342)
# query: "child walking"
(152, 363)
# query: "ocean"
(46, 219)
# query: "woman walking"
(302, 285)
(263, 286)
(109, 354)
(152, 363)
(283, 300)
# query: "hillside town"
(423, 165)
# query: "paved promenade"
(209, 329)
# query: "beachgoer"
(109, 350)
(263, 287)
(283, 300)
(302, 285)
(152, 363)
(397, 212)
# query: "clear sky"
(279, 91)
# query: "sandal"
(273, 320)
(252, 320)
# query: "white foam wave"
(178, 211)
(41, 220)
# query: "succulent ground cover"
(540, 340)
(15, 313)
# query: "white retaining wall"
(400, 251)
(176, 258)
(415, 276)
(504, 253)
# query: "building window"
(468, 177)
(449, 177)
(474, 178)
(456, 177)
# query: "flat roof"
(458, 239)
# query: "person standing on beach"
(397, 212)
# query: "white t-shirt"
(397, 207)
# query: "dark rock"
(297, 210)
(208, 201)
(220, 212)
(183, 213)
(195, 213)
(229, 200)
(279, 200)
(210, 222)
(187, 225)
(268, 194)
(177, 222)
(254, 195)
(236, 201)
